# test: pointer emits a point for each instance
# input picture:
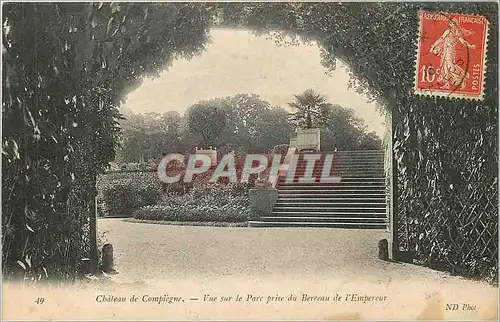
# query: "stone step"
(328, 208)
(335, 178)
(269, 224)
(332, 186)
(347, 178)
(346, 200)
(325, 219)
(302, 156)
(343, 166)
(333, 189)
(319, 165)
(332, 194)
(356, 151)
(338, 176)
(358, 200)
(344, 152)
(345, 161)
(336, 190)
(361, 179)
(361, 194)
(344, 179)
(309, 214)
(332, 207)
(331, 198)
(319, 171)
(339, 157)
(336, 162)
(301, 179)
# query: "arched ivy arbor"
(66, 68)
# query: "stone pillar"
(262, 200)
(383, 249)
(108, 265)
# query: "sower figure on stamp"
(446, 47)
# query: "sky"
(236, 61)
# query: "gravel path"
(149, 250)
(241, 269)
(146, 252)
(192, 261)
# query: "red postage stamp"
(451, 55)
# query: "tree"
(253, 125)
(243, 122)
(274, 128)
(149, 135)
(311, 109)
(370, 141)
(340, 127)
(242, 111)
(64, 75)
(343, 130)
(250, 124)
(206, 120)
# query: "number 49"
(40, 300)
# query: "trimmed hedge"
(120, 194)
(123, 200)
(206, 213)
(209, 203)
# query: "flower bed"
(143, 196)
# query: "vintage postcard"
(249, 161)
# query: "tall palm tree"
(311, 109)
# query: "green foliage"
(121, 193)
(122, 200)
(370, 141)
(275, 129)
(311, 109)
(148, 135)
(66, 67)
(252, 124)
(343, 130)
(206, 120)
(207, 203)
(242, 122)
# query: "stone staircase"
(357, 200)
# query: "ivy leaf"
(21, 264)
(29, 228)
(15, 150)
(28, 261)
